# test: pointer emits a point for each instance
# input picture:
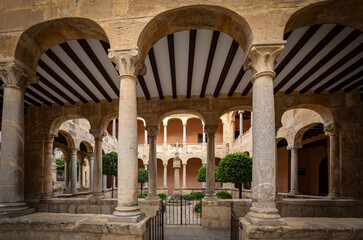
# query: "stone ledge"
(306, 228)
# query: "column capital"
(241, 111)
(91, 156)
(50, 138)
(98, 134)
(13, 74)
(332, 129)
(211, 129)
(152, 131)
(294, 147)
(73, 150)
(128, 61)
(261, 58)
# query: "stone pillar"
(114, 181)
(91, 164)
(66, 173)
(130, 65)
(176, 166)
(240, 123)
(104, 182)
(332, 131)
(165, 175)
(210, 176)
(73, 152)
(146, 185)
(294, 187)
(184, 132)
(184, 175)
(165, 133)
(80, 173)
(48, 167)
(260, 59)
(203, 183)
(153, 133)
(251, 120)
(203, 134)
(97, 165)
(114, 128)
(145, 135)
(12, 143)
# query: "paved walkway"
(190, 232)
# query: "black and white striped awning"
(200, 62)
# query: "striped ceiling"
(200, 62)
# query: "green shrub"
(162, 196)
(188, 197)
(198, 207)
(224, 195)
(143, 195)
(198, 195)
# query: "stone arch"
(195, 17)
(141, 163)
(63, 150)
(193, 165)
(299, 134)
(180, 111)
(57, 122)
(347, 13)
(37, 39)
(69, 138)
(88, 146)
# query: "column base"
(127, 214)
(263, 217)
(47, 196)
(210, 197)
(9, 210)
(294, 192)
(152, 197)
(97, 196)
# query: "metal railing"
(235, 225)
(183, 212)
(155, 225)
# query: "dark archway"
(323, 177)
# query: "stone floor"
(192, 232)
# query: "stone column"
(66, 173)
(184, 132)
(145, 134)
(165, 133)
(203, 134)
(165, 175)
(80, 173)
(91, 164)
(251, 120)
(260, 59)
(210, 176)
(176, 166)
(12, 143)
(294, 187)
(184, 175)
(114, 181)
(240, 123)
(48, 167)
(146, 185)
(114, 128)
(332, 131)
(153, 133)
(73, 152)
(130, 65)
(97, 165)
(104, 182)
(203, 183)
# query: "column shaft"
(332, 131)
(294, 183)
(104, 182)
(114, 128)
(145, 135)
(97, 165)
(240, 124)
(203, 134)
(184, 176)
(91, 169)
(74, 171)
(66, 173)
(184, 132)
(48, 167)
(165, 133)
(165, 174)
(152, 132)
(210, 181)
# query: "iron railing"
(183, 212)
(155, 225)
(235, 225)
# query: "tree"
(142, 177)
(235, 168)
(109, 165)
(202, 174)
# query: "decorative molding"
(128, 61)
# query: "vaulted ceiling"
(200, 62)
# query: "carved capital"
(14, 75)
(73, 150)
(98, 134)
(211, 129)
(152, 131)
(331, 130)
(50, 138)
(128, 62)
(91, 156)
(261, 58)
(294, 147)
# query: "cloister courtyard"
(172, 86)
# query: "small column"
(97, 167)
(260, 58)
(91, 157)
(203, 183)
(114, 181)
(66, 173)
(48, 167)
(80, 173)
(332, 131)
(145, 135)
(176, 166)
(146, 185)
(153, 133)
(73, 152)
(294, 187)
(130, 65)
(203, 140)
(184, 175)
(184, 132)
(12, 144)
(104, 182)
(165, 133)
(251, 120)
(114, 128)
(240, 123)
(210, 176)
(165, 175)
